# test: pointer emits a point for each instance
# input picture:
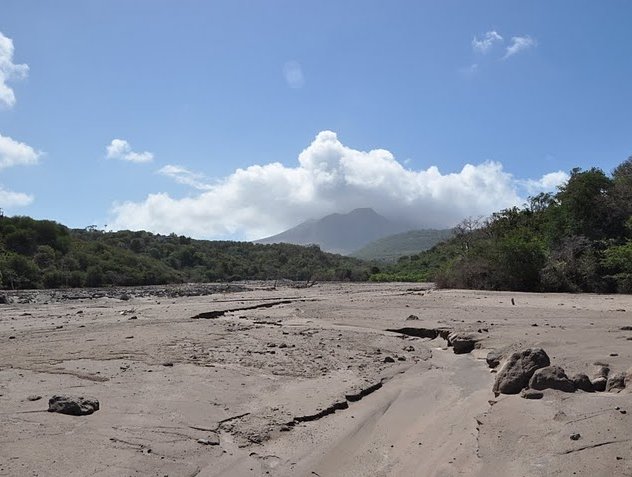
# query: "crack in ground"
(353, 396)
(431, 333)
(208, 315)
(579, 449)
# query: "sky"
(238, 119)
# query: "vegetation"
(578, 239)
(389, 249)
(42, 253)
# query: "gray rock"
(493, 359)
(599, 384)
(517, 371)
(532, 394)
(582, 381)
(461, 342)
(602, 372)
(73, 405)
(616, 383)
(211, 440)
(551, 377)
(412, 317)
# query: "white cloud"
(484, 44)
(184, 176)
(9, 71)
(10, 199)
(293, 74)
(548, 182)
(121, 149)
(518, 44)
(330, 177)
(14, 153)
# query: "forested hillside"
(578, 239)
(389, 249)
(42, 253)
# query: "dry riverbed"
(331, 380)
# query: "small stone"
(493, 359)
(599, 384)
(213, 440)
(73, 405)
(575, 437)
(582, 381)
(168, 364)
(412, 317)
(462, 342)
(34, 397)
(532, 394)
(616, 383)
(389, 359)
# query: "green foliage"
(45, 254)
(389, 249)
(577, 240)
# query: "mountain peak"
(339, 233)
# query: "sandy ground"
(306, 382)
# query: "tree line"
(43, 253)
(578, 239)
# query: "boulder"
(73, 405)
(517, 371)
(493, 359)
(551, 377)
(461, 342)
(582, 381)
(616, 383)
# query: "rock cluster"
(531, 372)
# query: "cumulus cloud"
(484, 44)
(329, 177)
(184, 176)
(121, 149)
(14, 153)
(9, 71)
(9, 199)
(293, 74)
(518, 44)
(548, 182)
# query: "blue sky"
(430, 110)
